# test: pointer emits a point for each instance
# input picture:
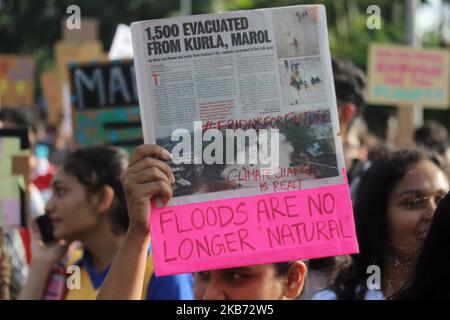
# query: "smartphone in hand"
(46, 228)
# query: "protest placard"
(51, 88)
(16, 81)
(13, 145)
(88, 30)
(72, 52)
(404, 76)
(245, 103)
(67, 52)
(105, 104)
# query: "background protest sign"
(13, 145)
(51, 88)
(73, 52)
(88, 30)
(200, 77)
(121, 47)
(105, 104)
(403, 76)
(16, 81)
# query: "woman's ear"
(105, 199)
(295, 279)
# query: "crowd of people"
(98, 201)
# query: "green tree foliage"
(32, 27)
(29, 25)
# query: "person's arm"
(146, 176)
(43, 258)
(36, 281)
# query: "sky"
(428, 17)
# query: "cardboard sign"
(14, 154)
(52, 90)
(72, 52)
(69, 53)
(105, 104)
(21, 165)
(88, 31)
(203, 79)
(16, 81)
(404, 76)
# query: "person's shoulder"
(173, 287)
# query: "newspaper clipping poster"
(245, 103)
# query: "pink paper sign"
(402, 75)
(278, 227)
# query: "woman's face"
(411, 206)
(259, 282)
(71, 211)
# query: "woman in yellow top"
(88, 206)
(149, 175)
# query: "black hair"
(432, 135)
(349, 82)
(430, 278)
(99, 166)
(19, 117)
(370, 217)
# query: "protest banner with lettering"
(73, 52)
(404, 76)
(105, 104)
(12, 197)
(16, 81)
(67, 52)
(245, 103)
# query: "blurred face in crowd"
(258, 282)
(411, 206)
(72, 211)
